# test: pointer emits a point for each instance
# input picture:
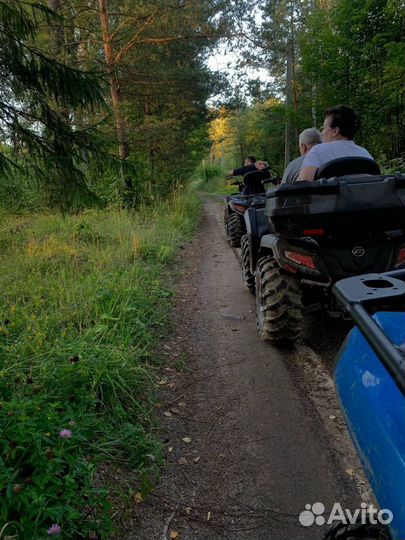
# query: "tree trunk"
(313, 108)
(287, 141)
(116, 96)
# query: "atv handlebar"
(276, 181)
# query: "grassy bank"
(84, 303)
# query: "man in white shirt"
(339, 126)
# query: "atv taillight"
(300, 258)
(401, 257)
(314, 232)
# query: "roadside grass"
(85, 300)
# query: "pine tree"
(34, 89)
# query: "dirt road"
(253, 433)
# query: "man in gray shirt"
(307, 139)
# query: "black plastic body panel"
(257, 226)
(360, 205)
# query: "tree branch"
(168, 39)
(133, 40)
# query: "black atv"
(311, 234)
(251, 191)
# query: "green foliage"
(342, 52)
(53, 95)
(159, 52)
(353, 52)
(40, 96)
(256, 130)
(210, 178)
(85, 299)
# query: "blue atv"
(370, 382)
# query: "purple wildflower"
(54, 529)
(65, 434)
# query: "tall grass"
(212, 179)
(84, 302)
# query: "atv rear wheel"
(247, 276)
(279, 309)
(236, 229)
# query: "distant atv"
(251, 191)
(311, 234)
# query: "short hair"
(345, 118)
(310, 137)
(251, 158)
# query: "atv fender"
(269, 242)
(251, 221)
(256, 227)
(267, 246)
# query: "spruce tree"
(34, 89)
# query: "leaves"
(138, 497)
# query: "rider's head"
(250, 160)
(307, 139)
(261, 165)
(340, 123)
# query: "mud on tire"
(247, 276)
(236, 229)
(279, 309)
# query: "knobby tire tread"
(247, 276)
(235, 229)
(280, 296)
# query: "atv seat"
(348, 166)
(253, 182)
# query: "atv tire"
(365, 531)
(279, 309)
(236, 229)
(226, 217)
(247, 276)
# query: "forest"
(319, 54)
(110, 121)
(107, 101)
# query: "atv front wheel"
(236, 229)
(279, 309)
(360, 531)
(226, 217)
(247, 276)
